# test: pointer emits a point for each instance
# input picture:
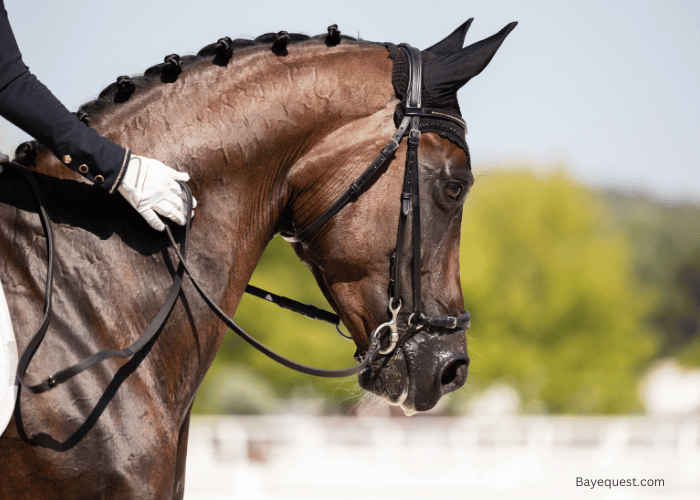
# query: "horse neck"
(238, 131)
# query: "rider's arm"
(150, 186)
(28, 104)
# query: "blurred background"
(580, 256)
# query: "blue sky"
(606, 88)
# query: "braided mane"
(219, 53)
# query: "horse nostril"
(455, 373)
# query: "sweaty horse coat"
(270, 136)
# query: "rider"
(148, 185)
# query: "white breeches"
(8, 364)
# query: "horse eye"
(453, 190)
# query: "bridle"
(410, 203)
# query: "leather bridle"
(410, 203)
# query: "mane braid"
(219, 53)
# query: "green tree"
(227, 386)
(680, 318)
(666, 256)
(556, 310)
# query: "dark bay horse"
(271, 134)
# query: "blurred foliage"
(304, 340)
(556, 310)
(666, 244)
(550, 278)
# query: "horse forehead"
(439, 151)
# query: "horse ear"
(452, 43)
(446, 74)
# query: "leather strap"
(441, 114)
(307, 310)
(43, 326)
(355, 188)
(397, 260)
(147, 336)
(318, 372)
(413, 99)
(163, 314)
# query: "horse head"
(365, 267)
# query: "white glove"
(151, 188)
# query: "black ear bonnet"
(444, 128)
(447, 66)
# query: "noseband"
(413, 111)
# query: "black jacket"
(29, 105)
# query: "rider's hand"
(151, 188)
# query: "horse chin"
(418, 373)
(387, 377)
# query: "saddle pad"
(8, 365)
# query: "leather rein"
(409, 203)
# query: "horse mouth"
(420, 371)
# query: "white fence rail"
(293, 457)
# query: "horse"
(271, 131)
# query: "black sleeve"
(29, 105)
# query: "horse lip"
(402, 399)
(409, 412)
(371, 378)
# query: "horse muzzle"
(428, 361)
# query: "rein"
(163, 314)
(308, 370)
(410, 203)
